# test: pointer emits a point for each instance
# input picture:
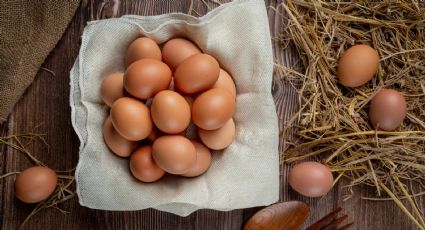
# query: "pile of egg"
(160, 95)
(387, 110)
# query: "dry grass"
(332, 122)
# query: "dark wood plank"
(286, 99)
(45, 105)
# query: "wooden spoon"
(281, 216)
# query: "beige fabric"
(244, 175)
(29, 30)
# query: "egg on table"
(35, 184)
(311, 179)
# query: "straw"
(332, 123)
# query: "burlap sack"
(29, 30)
(246, 174)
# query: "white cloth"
(246, 174)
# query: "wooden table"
(45, 108)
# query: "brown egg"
(142, 48)
(115, 142)
(219, 138)
(213, 108)
(225, 81)
(35, 184)
(131, 119)
(197, 73)
(203, 160)
(358, 65)
(176, 50)
(143, 167)
(311, 179)
(146, 77)
(170, 112)
(387, 110)
(174, 153)
(112, 88)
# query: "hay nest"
(332, 122)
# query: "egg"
(311, 179)
(225, 81)
(197, 73)
(174, 153)
(112, 88)
(146, 77)
(387, 110)
(35, 184)
(213, 108)
(131, 118)
(143, 167)
(170, 112)
(203, 161)
(115, 142)
(176, 50)
(219, 138)
(358, 65)
(142, 48)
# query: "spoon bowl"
(289, 215)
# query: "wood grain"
(44, 108)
